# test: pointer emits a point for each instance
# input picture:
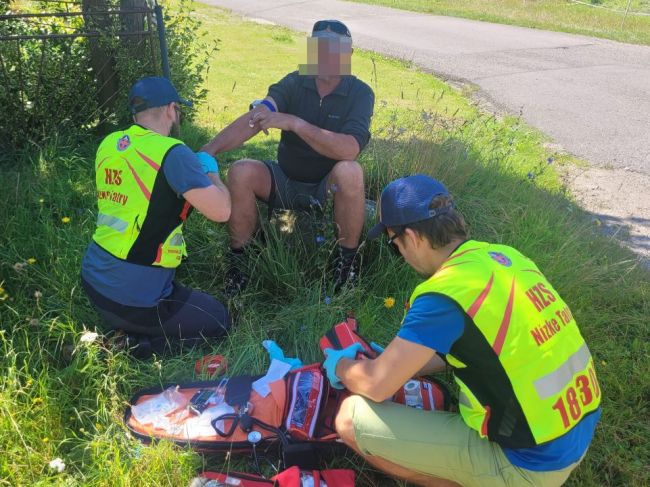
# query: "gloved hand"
(275, 352)
(332, 358)
(208, 162)
(377, 348)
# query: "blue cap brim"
(376, 231)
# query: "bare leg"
(345, 429)
(346, 182)
(248, 180)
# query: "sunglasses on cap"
(332, 25)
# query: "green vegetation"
(561, 15)
(53, 404)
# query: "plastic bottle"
(413, 394)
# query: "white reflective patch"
(112, 222)
(554, 382)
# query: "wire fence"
(66, 69)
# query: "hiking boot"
(346, 270)
(234, 282)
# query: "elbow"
(376, 391)
(222, 212)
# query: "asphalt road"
(591, 96)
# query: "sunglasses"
(333, 25)
(399, 231)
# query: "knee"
(347, 176)
(242, 173)
(344, 421)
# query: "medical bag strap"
(238, 392)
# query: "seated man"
(529, 399)
(147, 184)
(324, 114)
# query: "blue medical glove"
(275, 352)
(208, 162)
(377, 348)
(332, 358)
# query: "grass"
(504, 180)
(559, 15)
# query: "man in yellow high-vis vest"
(529, 398)
(147, 185)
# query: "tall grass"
(63, 397)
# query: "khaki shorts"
(441, 445)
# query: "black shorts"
(186, 314)
(289, 194)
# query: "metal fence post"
(164, 55)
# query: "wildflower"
(530, 175)
(88, 337)
(20, 266)
(550, 160)
(65, 219)
(82, 430)
(98, 426)
(389, 302)
(29, 382)
(41, 200)
(45, 440)
(57, 464)
(31, 261)
(38, 294)
(320, 239)
(327, 300)
(36, 401)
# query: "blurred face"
(413, 248)
(327, 56)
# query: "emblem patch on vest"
(500, 258)
(123, 143)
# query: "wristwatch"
(266, 103)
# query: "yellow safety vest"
(140, 218)
(526, 375)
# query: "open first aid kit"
(292, 477)
(291, 410)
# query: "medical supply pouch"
(426, 394)
(292, 477)
(344, 334)
(296, 417)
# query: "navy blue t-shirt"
(133, 284)
(435, 321)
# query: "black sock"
(346, 253)
(236, 256)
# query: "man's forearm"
(358, 377)
(218, 183)
(340, 147)
(233, 136)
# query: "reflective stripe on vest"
(128, 166)
(521, 338)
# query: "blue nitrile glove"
(208, 162)
(332, 358)
(275, 352)
(377, 348)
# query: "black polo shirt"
(347, 110)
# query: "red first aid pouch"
(344, 334)
(292, 477)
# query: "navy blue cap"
(406, 200)
(155, 91)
